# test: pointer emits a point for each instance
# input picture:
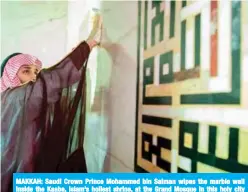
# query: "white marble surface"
(37, 28)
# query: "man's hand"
(96, 32)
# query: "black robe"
(40, 120)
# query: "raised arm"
(53, 80)
(65, 73)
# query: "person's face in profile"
(27, 73)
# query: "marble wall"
(37, 28)
(110, 133)
(120, 20)
(192, 79)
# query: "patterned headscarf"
(9, 77)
